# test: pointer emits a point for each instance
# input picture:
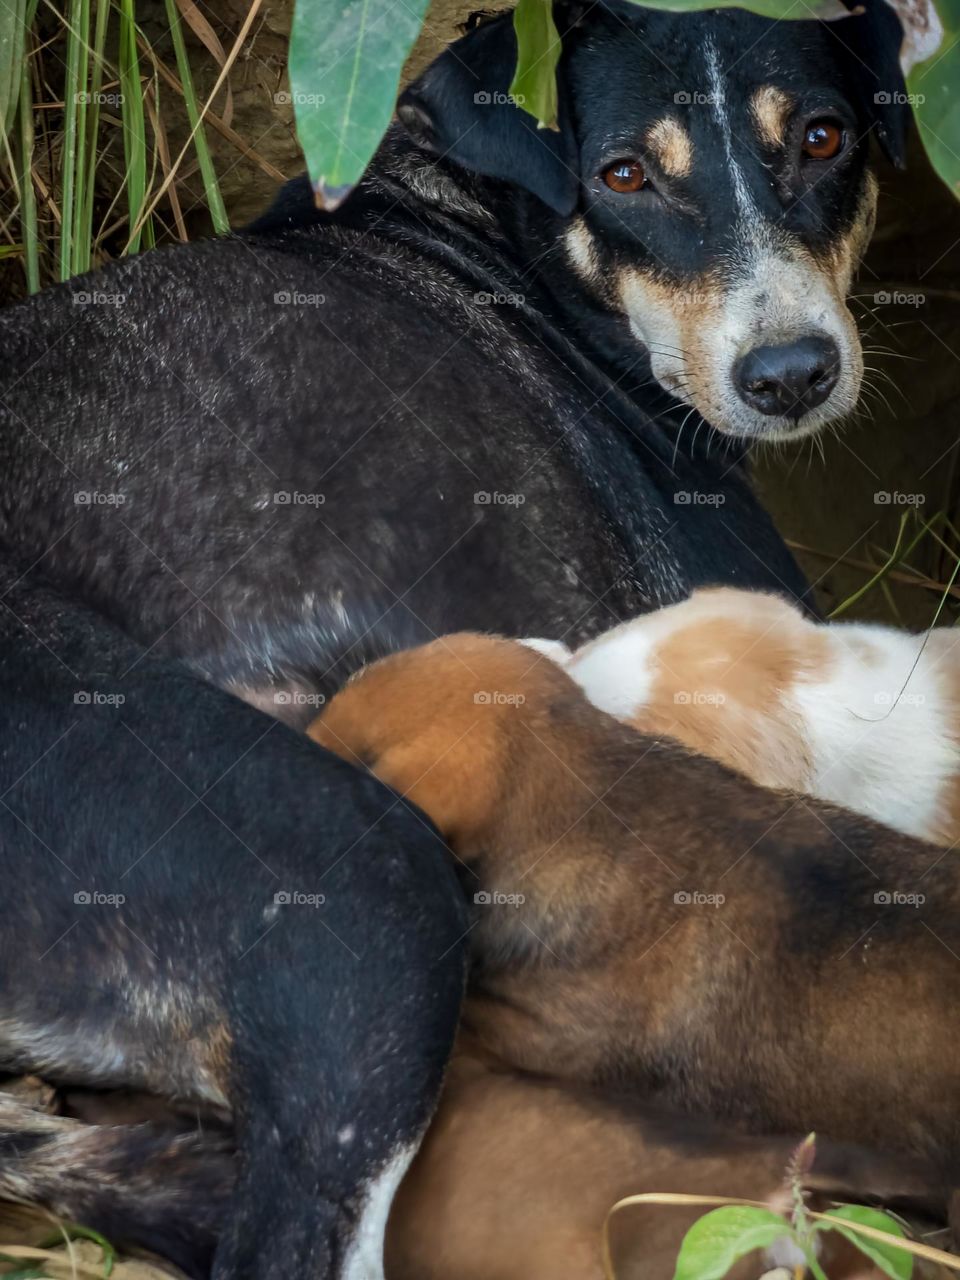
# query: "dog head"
(707, 186)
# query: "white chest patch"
(364, 1257)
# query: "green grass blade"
(84, 235)
(211, 186)
(28, 197)
(134, 127)
(13, 29)
(80, 249)
(71, 98)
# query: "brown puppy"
(648, 918)
(517, 1175)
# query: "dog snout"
(789, 380)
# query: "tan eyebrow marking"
(670, 143)
(582, 251)
(771, 108)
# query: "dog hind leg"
(158, 1189)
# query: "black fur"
(147, 824)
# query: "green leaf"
(715, 1241)
(345, 62)
(534, 84)
(896, 1263)
(13, 25)
(932, 86)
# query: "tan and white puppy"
(862, 715)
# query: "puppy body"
(517, 1175)
(864, 716)
(648, 918)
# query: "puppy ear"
(460, 108)
(871, 42)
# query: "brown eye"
(625, 176)
(822, 140)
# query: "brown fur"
(517, 1175)
(795, 1004)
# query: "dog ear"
(871, 40)
(460, 108)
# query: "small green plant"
(735, 1228)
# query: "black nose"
(789, 380)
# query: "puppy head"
(707, 187)
(439, 723)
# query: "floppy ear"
(460, 108)
(871, 42)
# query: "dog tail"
(139, 1185)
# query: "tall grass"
(80, 88)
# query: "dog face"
(708, 187)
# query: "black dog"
(281, 454)
(203, 905)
